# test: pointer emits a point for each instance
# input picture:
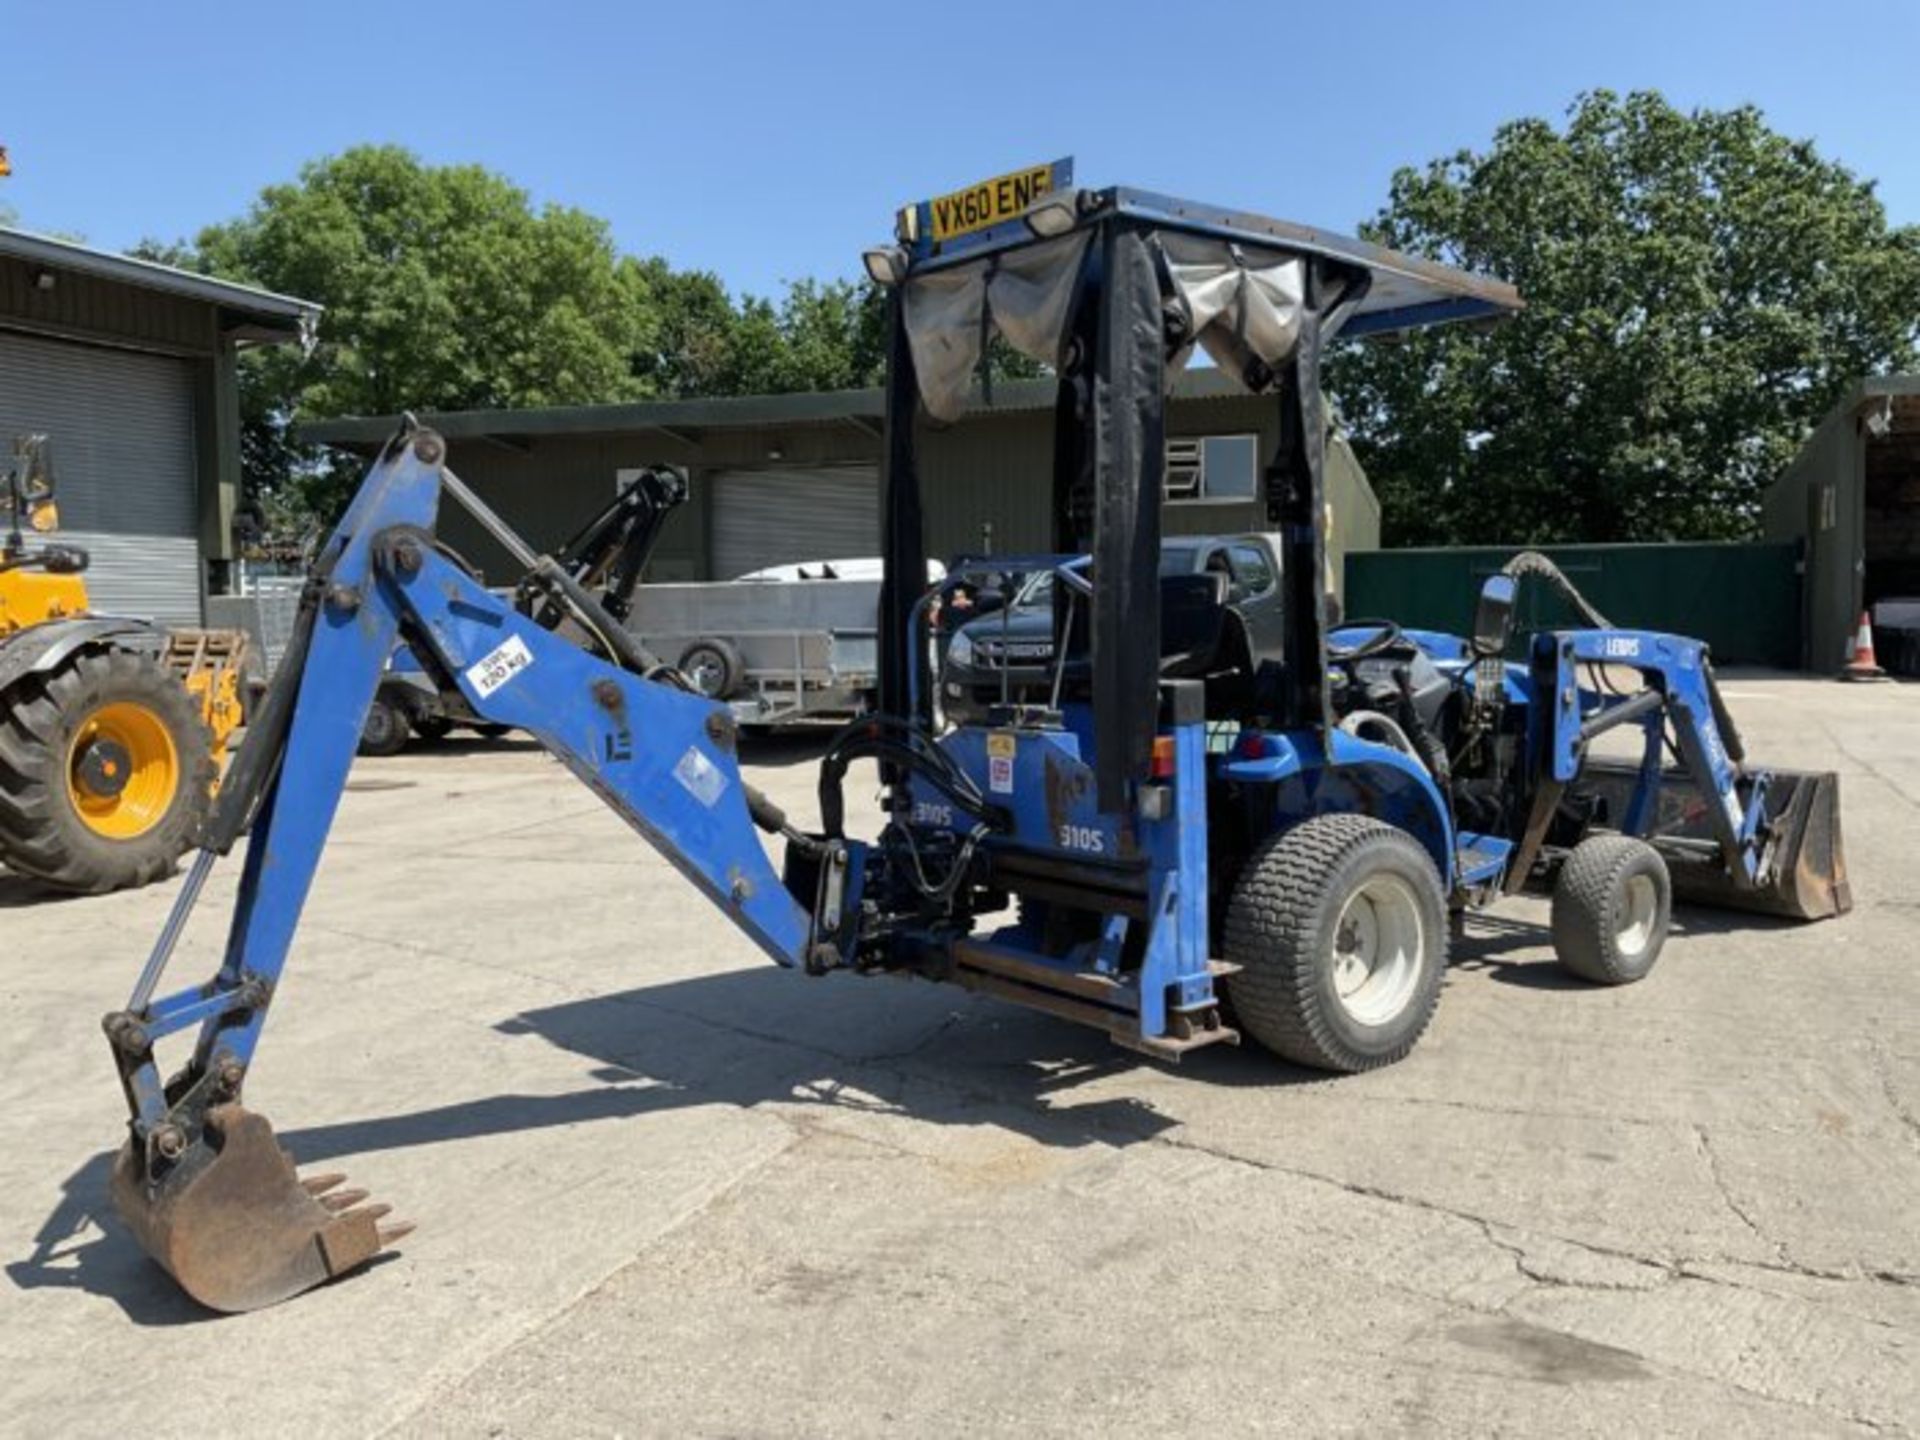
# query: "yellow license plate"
(989, 202)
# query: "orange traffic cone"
(1863, 666)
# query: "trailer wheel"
(1611, 906)
(386, 728)
(714, 667)
(1339, 927)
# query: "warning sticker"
(703, 779)
(1000, 752)
(500, 666)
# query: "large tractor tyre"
(106, 772)
(714, 668)
(1611, 906)
(1339, 927)
(386, 728)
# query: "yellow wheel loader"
(111, 728)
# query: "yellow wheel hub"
(123, 770)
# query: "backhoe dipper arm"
(200, 1175)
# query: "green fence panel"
(1743, 600)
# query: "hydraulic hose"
(1532, 562)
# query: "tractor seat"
(1203, 636)
(1193, 624)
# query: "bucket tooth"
(235, 1225)
(320, 1184)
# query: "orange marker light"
(1161, 767)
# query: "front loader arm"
(200, 1180)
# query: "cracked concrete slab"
(665, 1188)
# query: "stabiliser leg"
(201, 1181)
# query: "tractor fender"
(1345, 775)
(41, 648)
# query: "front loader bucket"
(233, 1223)
(1808, 875)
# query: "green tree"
(827, 335)
(444, 289)
(1699, 289)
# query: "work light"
(1053, 216)
(887, 264)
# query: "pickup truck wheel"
(1339, 927)
(1612, 903)
(713, 667)
(386, 728)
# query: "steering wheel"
(1387, 634)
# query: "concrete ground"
(667, 1189)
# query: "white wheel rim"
(1379, 946)
(1639, 905)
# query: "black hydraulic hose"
(833, 769)
(1424, 740)
(1723, 719)
(625, 647)
(1532, 562)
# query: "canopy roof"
(1239, 279)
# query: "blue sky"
(771, 141)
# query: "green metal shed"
(1851, 499)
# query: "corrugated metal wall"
(778, 516)
(1743, 600)
(124, 458)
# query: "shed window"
(1217, 469)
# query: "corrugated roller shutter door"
(779, 516)
(122, 426)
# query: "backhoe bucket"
(236, 1226)
(1808, 875)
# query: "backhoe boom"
(200, 1180)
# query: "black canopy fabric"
(1129, 455)
(1116, 307)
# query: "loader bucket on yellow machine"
(1808, 875)
(236, 1226)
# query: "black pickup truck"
(1009, 652)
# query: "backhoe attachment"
(201, 1181)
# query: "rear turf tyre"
(1339, 927)
(106, 772)
(1612, 904)
(385, 730)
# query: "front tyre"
(106, 772)
(1612, 904)
(1339, 927)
